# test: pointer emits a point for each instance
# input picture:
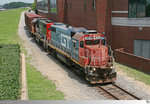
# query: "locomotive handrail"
(111, 53)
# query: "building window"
(94, 5)
(53, 6)
(84, 5)
(142, 48)
(70, 5)
(42, 5)
(139, 8)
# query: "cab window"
(53, 29)
(88, 42)
(96, 42)
(82, 44)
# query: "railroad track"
(114, 92)
(111, 91)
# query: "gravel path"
(72, 87)
(135, 87)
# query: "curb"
(24, 90)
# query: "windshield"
(90, 42)
(96, 42)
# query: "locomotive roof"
(63, 26)
(32, 15)
(44, 20)
(58, 23)
(66, 27)
(91, 32)
(78, 36)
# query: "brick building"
(126, 24)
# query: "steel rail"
(116, 89)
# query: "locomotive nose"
(97, 55)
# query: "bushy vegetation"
(9, 72)
(13, 5)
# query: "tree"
(16, 5)
(33, 6)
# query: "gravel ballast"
(135, 87)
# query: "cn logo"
(64, 42)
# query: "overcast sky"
(7, 1)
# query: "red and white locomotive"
(78, 47)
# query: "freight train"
(78, 47)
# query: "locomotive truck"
(80, 48)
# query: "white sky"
(7, 1)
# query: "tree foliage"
(16, 5)
(33, 6)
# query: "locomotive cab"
(94, 56)
(43, 28)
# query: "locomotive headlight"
(111, 67)
(94, 69)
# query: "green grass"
(131, 72)
(9, 55)
(9, 21)
(54, 10)
(9, 72)
(39, 88)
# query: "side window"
(53, 6)
(94, 5)
(42, 5)
(103, 42)
(53, 29)
(70, 5)
(72, 34)
(40, 27)
(82, 44)
(84, 5)
(44, 29)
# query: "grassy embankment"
(39, 87)
(9, 69)
(131, 72)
